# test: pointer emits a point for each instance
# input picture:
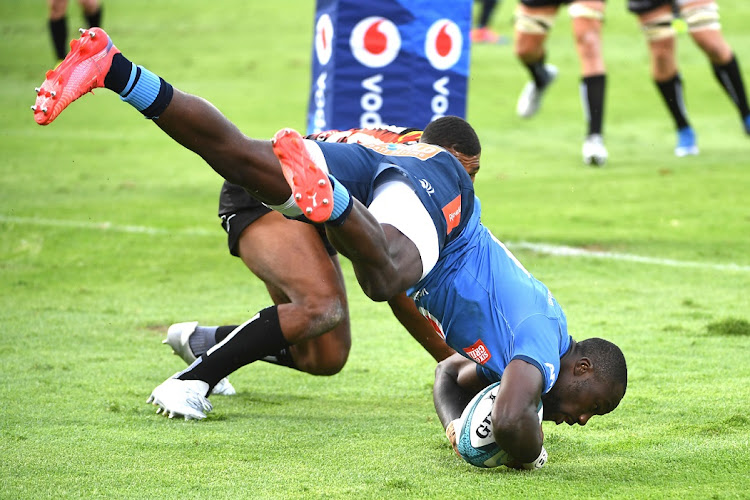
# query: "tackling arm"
(456, 382)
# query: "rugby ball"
(476, 443)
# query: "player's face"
(576, 401)
(470, 163)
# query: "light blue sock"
(341, 199)
(142, 88)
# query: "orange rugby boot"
(310, 185)
(82, 70)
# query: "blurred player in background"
(407, 218)
(58, 22)
(482, 32)
(534, 20)
(702, 20)
(308, 274)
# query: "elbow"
(380, 291)
(440, 370)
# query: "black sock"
(730, 78)
(247, 343)
(95, 19)
(488, 6)
(282, 358)
(58, 29)
(223, 331)
(119, 73)
(592, 94)
(141, 88)
(674, 97)
(539, 73)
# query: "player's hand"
(450, 431)
(536, 464)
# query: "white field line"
(565, 251)
(106, 226)
(542, 248)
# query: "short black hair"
(452, 132)
(608, 360)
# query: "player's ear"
(582, 366)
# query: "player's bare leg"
(306, 278)
(95, 62)
(703, 22)
(385, 261)
(587, 25)
(531, 28)
(657, 26)
(193, 122)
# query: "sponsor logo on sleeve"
(452, 213)
(478, 352)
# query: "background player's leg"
(58, 27)
(587, 25)
(531, 28)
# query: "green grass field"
(108, 234)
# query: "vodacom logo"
(324, 39)
(375, 42)
(443, 44)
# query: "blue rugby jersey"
(478, 297)
(489, 308)
(439, 180)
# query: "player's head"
(592, 380)
(457, 136)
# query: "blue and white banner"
(390, 62)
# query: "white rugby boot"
(531, 96)
(185, 398)
(178, 338)
(594, 152)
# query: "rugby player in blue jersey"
(407, 218)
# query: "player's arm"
(515, 421)
(456, 382)
(418, 326)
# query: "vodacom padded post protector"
(390, 62)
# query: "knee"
(325, 312)
(528, 51)
(589, 44)
(716, 50)
(57, 9)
